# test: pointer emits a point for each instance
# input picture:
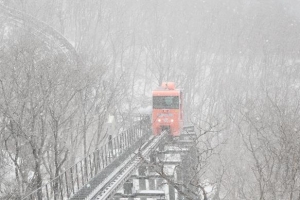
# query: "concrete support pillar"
(142, 182)
(171, 192)
(161, 157)
(128, 188)
(179, 180)
(152, 172)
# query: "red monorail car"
(167, 111)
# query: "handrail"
(69, 182)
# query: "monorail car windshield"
(165, 102)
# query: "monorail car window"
(168, 102)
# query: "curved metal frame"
(42, 29)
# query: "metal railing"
(76, 177)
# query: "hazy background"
(236, 60)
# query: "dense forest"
(238, 63)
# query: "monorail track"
(105, 171)
(115, 180)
